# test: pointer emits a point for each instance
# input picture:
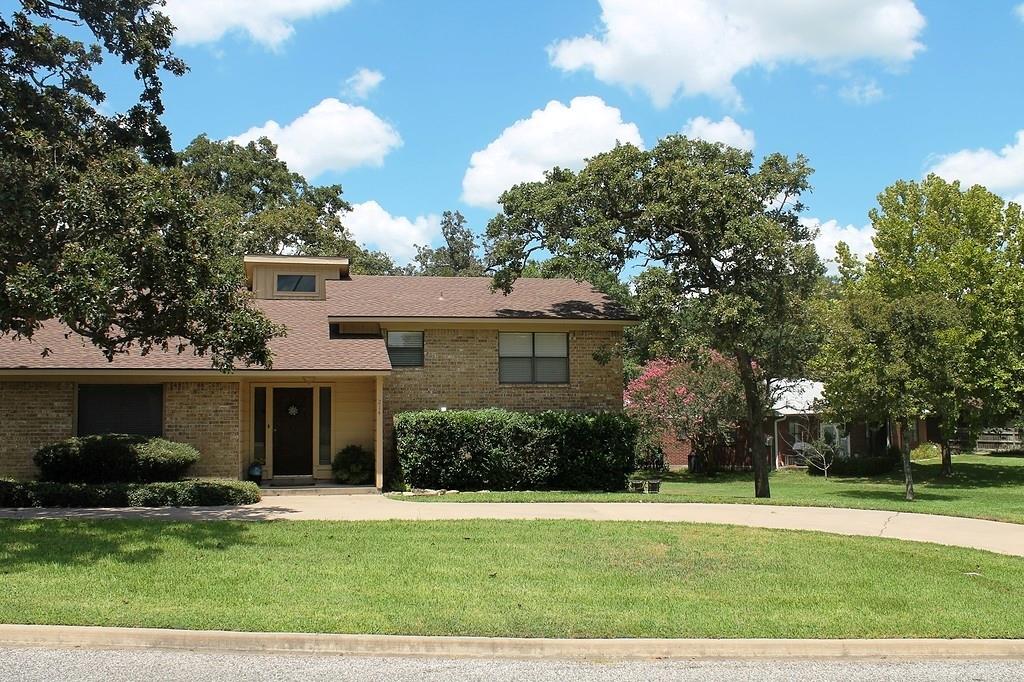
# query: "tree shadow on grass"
(66, 542)
(898, 495)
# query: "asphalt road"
(31, 664)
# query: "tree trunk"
(947, 452)
(755, 425)
(908, 476)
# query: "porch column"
(379, 435)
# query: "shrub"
(193, 493)
(857, 466)
(926, 451)
(114, 458)
(506, 450)
(353, 465)
(166, 494)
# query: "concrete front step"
(317, 489)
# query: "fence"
(995, 440)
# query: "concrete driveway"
(994, 536)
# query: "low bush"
(926, 451)
(191, 493)
(353, 465)
(857, 466)
(506, 450)
(114, 458)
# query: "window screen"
(298, 283)
(533, 358)
(405, 349)
(120, 408)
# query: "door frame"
(319, 470)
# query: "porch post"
(379, 435)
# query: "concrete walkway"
(994, 536)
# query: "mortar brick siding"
(207, 416)
(32, 414)
(460, 371)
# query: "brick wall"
(206, 415)
(32, 414)
(461, 372)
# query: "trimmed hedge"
(114, 458)
(505, 450)
(191, 493)
(857, 466)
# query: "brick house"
(358, 350)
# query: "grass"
(982, 486)
(516, 578)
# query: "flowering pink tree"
(702, 401)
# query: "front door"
(293, 432)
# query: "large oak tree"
(100, 227)
(731, 256)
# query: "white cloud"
(1020, 11)
(330, 136)
(373, 226)
(726, 131)
(363, 82)
(556, 135)
(268, 22)
(830, 233)
(697, 47)
(862, 92)
(1001, 172)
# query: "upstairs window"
(405, 349)
(296, 284)
(533, 358)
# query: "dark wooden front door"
(293, 431)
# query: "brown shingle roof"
(307, 346)
(469, 297)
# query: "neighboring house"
(799, 420)
(359, 349)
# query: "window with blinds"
(533, 358)
(120, 408)
(405, 349)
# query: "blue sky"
(870, 90)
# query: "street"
(44, 665)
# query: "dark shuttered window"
(405, 349)
(533, 358)
(120, 408)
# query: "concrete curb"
(66, 636)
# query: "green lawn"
(982, 486)
(524, 578)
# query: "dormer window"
(296, 284)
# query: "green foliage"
(114, 458)
(191, 493)
(932, 321)
(98, 227)
(457, 258)
(353, 465)
(926, 451)
(736, 266)
(504, 450)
